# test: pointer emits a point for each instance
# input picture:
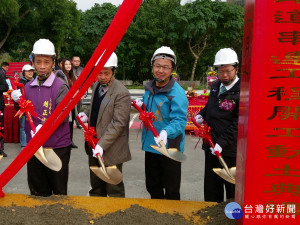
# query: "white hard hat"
(27, 67)
(43, 47)
(226, 56)
(112, 61)
(164, 52)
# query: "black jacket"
(3, 88)
(223, 123)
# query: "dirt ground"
(58, 214)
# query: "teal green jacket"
(169, 105)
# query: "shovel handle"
(20, 85)
(148, 122)
(81, 123)
(205, 136)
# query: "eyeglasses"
(222, 72)
(164, 68)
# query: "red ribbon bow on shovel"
(148, 119)
(26, 106)
(110, 174)
(90, 134)
(204, 132)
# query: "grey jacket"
(113, 123)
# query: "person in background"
(3, 88)
(167, 100)
(27, 75)
(109, 114)
(46, 92)
(59, 64)
(77, 69)
(67, 75)
(221, 113)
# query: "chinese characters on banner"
(269, 132)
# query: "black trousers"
(71, 124)
(214, 184)
(2, 130)
(43, 181)
(100, 187)
(163, 176)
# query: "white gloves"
(83, 117)
(97, 150)
(139, 102)
(16, 94)
(199, 119)
(217, 148)
(162, 137)
(36, 130)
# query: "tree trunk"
(6, 36)
(196, 54)
(10, 28)
(194, 68)
(58, 52)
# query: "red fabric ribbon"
(204, 132)
(27, 107)
(90, 136)
(147, 118)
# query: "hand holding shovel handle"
(90, 136)
(26, 106)
(148, 118)
(204, 133)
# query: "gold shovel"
(109, 174)
(1, 156)
(225, 173)
(49, 158)
(172, 153)
(147, 117)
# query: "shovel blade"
(176, 155)
(222, 173)
(114, 174)
(49, 158)
(172, 153)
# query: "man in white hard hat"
(221, 113)
(27, 75)
(109, 113)
(45, 92)
(167, 100)
(3, 88)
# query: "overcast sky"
(87, 4)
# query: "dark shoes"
(73, 145)
(3, 153)
(79, 126)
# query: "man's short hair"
(75, 56)
(4, 64)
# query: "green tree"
(206, 25)
(9, 17)
(57, 20)
(148, 31)
(94, 23)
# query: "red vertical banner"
(268, 158)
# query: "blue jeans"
(23, 141)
